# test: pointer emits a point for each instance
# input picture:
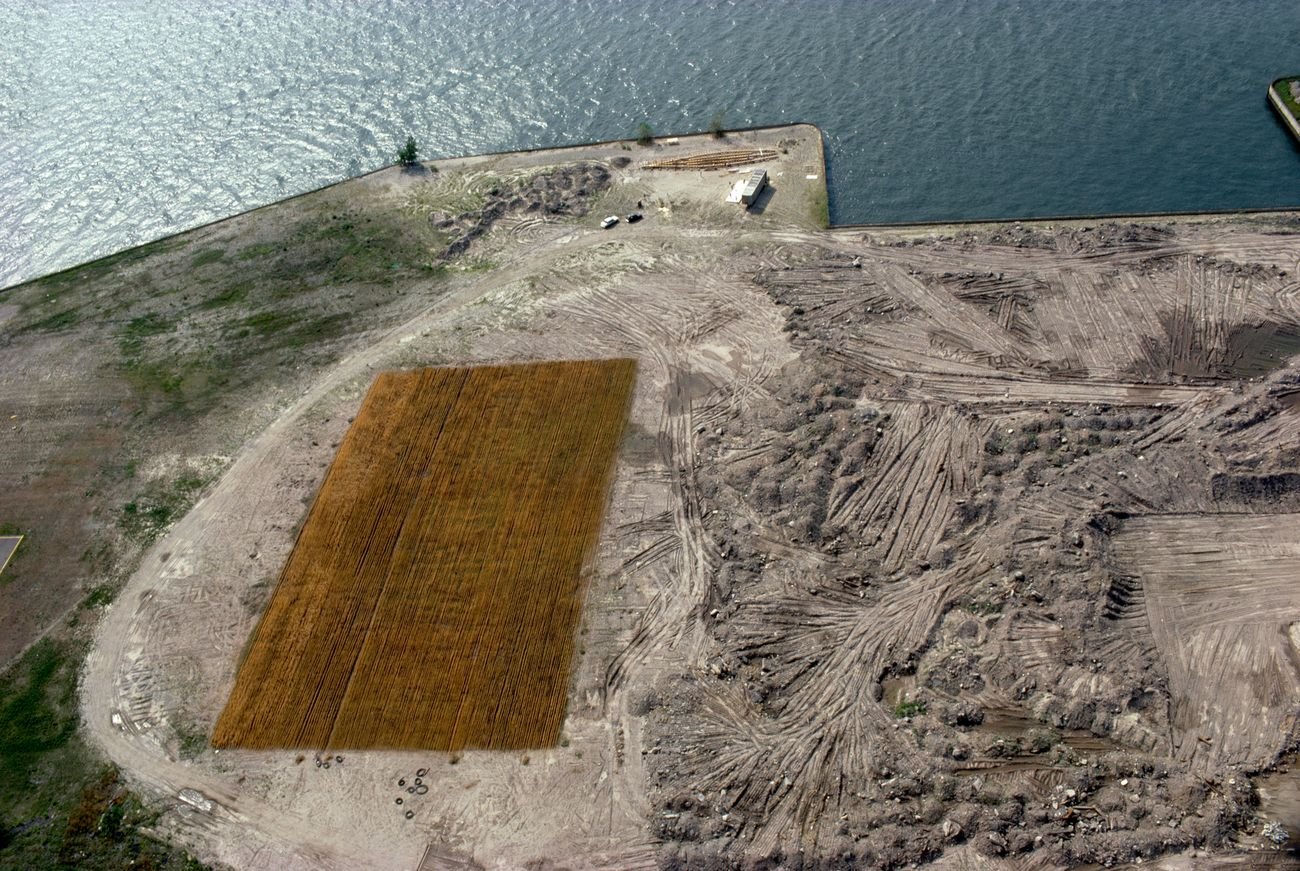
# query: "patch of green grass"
(209, 255)
(282, 287)
(56, 322)
(99, 597)
(320, 328)
(294, 330)
(1283, 88)
(102, 827)
(168, 381)
(38, 710)
(131, 339)
(909, 709)
(255, 252)
(192, 740)
(353, 247)
(61, 805)
(177, 383)
(156, 380)
(157, 506)
(327, 227)
(269, 323)
(150, 324)
(820, 208)
(478, 264)
(254, 307)
(231, 294)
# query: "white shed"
(753, 186)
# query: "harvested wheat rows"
(431, 598)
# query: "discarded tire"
(399, 801)
(401, 781)
(410, 814)
(418, 781)
(421, 790)
(421, 772)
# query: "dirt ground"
(972, 546)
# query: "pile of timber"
(715, 159)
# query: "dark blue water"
(123, 121)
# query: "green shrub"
(408, 154)
(715, 125)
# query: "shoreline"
(1080, 220)
(659, 139)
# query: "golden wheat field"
(431, 599)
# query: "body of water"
(125, 120)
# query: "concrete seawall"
(1288, 117)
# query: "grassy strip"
(821, 209)
(61, 806)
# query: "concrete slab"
(8, 547)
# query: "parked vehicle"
(609, 222)
(634, 217)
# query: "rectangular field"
(431, 599)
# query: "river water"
(125, 120)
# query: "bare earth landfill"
(969, 547)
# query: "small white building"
(753, 187)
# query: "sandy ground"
(169, 646)
(864, 470)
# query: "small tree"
(644, 134)
(715, 125)
(407, 154)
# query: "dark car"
(634, 217)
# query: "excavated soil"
(971, 547)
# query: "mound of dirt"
(563, 190)
(923, 632)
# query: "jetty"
(1284, 94)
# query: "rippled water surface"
(124, 120)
